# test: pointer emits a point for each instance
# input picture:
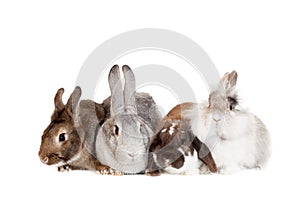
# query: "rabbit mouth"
(222, 138)
(55, 159)
(131, 163)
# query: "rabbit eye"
(232, 102)
(116, 130)
(62, 137)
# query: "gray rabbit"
(69, 140)
(123, 140)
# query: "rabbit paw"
(117, 173)
(153, 173)
(204, 170)
(64, 168)
(105, 170)
(229, 170)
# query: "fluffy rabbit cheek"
(51, 149)
(236, 127)
(125, 155)
(113, 142)
(131, 162)
(130, 148)
(214, 125)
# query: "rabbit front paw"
(204, 170)
(229, 170)
(64, 168)
(105, 170)
(153, 173)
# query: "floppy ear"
(209, 161)
(229, 80)
(129, 89)
(115, 84)
(73, 100)
(59, 105)
(204, 155)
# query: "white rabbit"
(236, 138)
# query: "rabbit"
(69, 139)
(176, 150)
(63, 140)
(123, 140)
(236, 138)
(66, 140)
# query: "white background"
(42, 48)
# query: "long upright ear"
(229, 80)
(59, 105)
(115, 84)
(73, 100)
(129, 89)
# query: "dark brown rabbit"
(68, 140)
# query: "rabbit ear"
(228, 81)
(207, 158)
(115, 84)
(59, 105)
(129, 89)
(73, 100)
(204, 154)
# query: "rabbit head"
(222, 102)
(126, 134)
(60, 141)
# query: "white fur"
(75, 158)
(237, 139)
(191, 165)
(172, 129)
(59, 164)
(233, 143)
(164, 130)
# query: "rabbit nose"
(132, 155)
(217, 120)
(45, 160)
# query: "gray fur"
(81, 121)
(123, 141)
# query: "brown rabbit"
(68, 140)
(176, 150)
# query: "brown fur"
(165, 146)
(176, 112)
(63, 117)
